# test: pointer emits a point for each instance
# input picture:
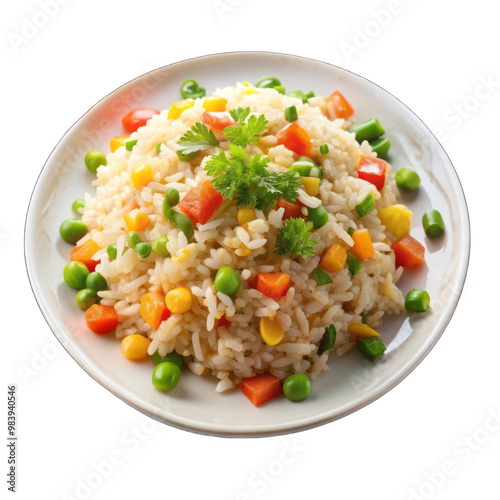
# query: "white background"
(432, 55)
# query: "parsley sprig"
(245, 176)
(198, 138)
(245, 132)
(295, 238)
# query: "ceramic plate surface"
(351, 382)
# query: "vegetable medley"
(236, 176)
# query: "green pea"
(111, 250)
(172, 196)
(96, 281)
(381, 147)
(433, 223)
(227, 281)
(371, 348)
(143, 250)
(417, 300)
(75, 274)
(173, 357)
(369, 130)
(72, 230)
(318, 216)
(166, 376)
(86, 298)
(94, 159)
(132, 239)
(77, 204)
(297, 387)
(407, 178)
(159, 246)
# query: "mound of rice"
(237, 352)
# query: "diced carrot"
(363, 246)
(292, 210)
(339, 105)
(84, 253)
(295, 138)
(372, 170)
(334, 259)
(101, 319)
(261, 388)
(217, 119)
(273, 285)
(223, 321)
(201, 202)
(153, 309)
(409, 252)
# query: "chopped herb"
(198, 138)
(350, 230)
(353, 264)
(328, 339)
(246, 177)
(300, 95)
(190, 89)
(321, 277)
(324, 149)
(364, 318)
(295, 238)
(245, 131)
(158, 149)
(130, 144)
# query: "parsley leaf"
(246, 177)
(295, 238)
(198, 138)
(245, 131)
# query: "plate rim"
(211, 428)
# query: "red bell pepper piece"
(372, 170)
(201, 202)
(295, 138)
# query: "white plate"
(351, 382)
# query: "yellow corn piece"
(362, 331)
(271, 331)
(334, 259)
(141, 176)
(245, 215)
(243, 251)
(135, 347)
(178, 108)
(397, 220)
(117, 142)
(215, 104)
(247, 84)
(179, 300)
(136, 220)
(311, 185)
(250, 92)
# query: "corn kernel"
(397, 220)
(135, 347)
(311, 185)
(243, 251)
(245, 215)
(136, 220)
(271, 331)
(362, 331)
(179, 300)
(178, 108)
(250, 92)
(117, 142)
(215, 104)
(141, 176)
